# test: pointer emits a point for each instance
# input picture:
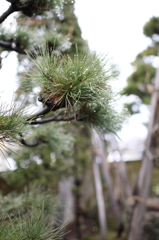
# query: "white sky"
(113, 27)
(116, 27)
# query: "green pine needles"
(80, 85)
(31, 217)
(12, 122)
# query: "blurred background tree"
(141, 82)
(142, 85)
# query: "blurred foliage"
(151, 27)
(29, 215)
(150, 229)
(138, 82)
(141, 81)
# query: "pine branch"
(14, 7)
(39, 114)
(52, 119)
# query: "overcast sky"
(116, 27)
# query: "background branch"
(34, 144)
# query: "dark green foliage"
(150, 51)
(34, 7)
(151, 27)
(150, 229)
(138, 82)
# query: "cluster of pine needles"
(81, 85)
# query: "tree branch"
(9, 46)
(9, 11)
(41, 113)
(52, 119)
(14, 7)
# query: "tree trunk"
(121, 170)
(107, 177)
(65, 209)
(109, 182)
(145, 173)
(98, 185)
(100, 197)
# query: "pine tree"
(71, 84)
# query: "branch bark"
(109, 182)
(14, 7)
(52, 119)
(145, 174)
(6, 14)
(9, 46)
